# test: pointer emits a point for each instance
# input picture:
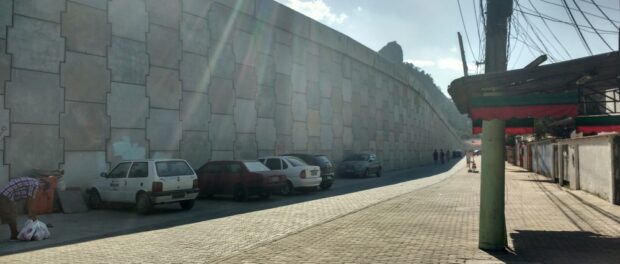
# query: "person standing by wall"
(435, 156)
(16, 190)
(442, 156)
(468, 156)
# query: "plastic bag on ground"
(27, 231)
(40, 231)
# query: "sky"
(427, 30)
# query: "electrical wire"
(549, 29)
(552, 19)
(603, 6)
(465, 28)
(604, 14)
(574, 9)
(590, 23)
(583, 40)
(530, 25)
(478, 29)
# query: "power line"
(590, 23)
(601, 10)
(527, 21)
(552, 19)
(583, 40)
(603, 6)
(465, 28)
(549, 29)
(477, 29)
(592, 14)
(533, 43)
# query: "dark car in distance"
(360, 165)
(240, 179)
(327, 167)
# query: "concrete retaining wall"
(87, 83)
(542, 158)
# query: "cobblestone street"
(427, 220)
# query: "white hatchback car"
(146, 183)
(299, 174)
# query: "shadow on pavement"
(565, 247)
(120, 220)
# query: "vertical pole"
(492, 229)
(462, 54)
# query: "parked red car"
(240, 179)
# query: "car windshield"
(357, 157)
(255, 166)
(172, 168)
(296, 162)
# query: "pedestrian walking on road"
(442, 156)
(16, 190)
(468, 157)
(448, 157)
(435, 156)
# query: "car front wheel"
(143, 204)
(287, 189)
(94, 200)
(240, 194)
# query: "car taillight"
(302, 174)
(157, 187)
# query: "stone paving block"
(128, 61)
(245, 82)
(284, 89)
(128, 18)
(35, 44)
(6, 16)
(283, 58)
(86, 29)
(164, 12)
(314, 123)
(42, 9)
(34, 97)
(222, 132)
(244, 48)
(222, 61)
(163, 88)
(82, 168)
(266, 102)
(327, 137)
(326, 111)
(84, 126)
(163, 129)
(195, 148)
(85, 77)
(300, 136)
(300, 107)
(195, 111)
(222, 155)
(164, 46)
(265, 69)
(195, 72)
(313, 95)
(127, 144)
(284, 119)
(246, 147)
(194, 34)
(127, 106)
(5, 66)
(33, 146)
(221, 96)
(245, 116)
(266, 134)
(298, 78)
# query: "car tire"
(287, 189)
(366, 173)
(187, 204)
(379, 172)
(326, 186)
(240, 194)
(94, 200)
(143, 204)
(265, 195)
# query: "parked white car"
(299, 174)
(146, 183)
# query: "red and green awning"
(597, 124)
(562, 104)
(513, 126)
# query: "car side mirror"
(103, 174)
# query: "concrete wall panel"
(41, 9)
(82, 168)
(34, 97)
(84, 126)
(129, 19)
(163, 88)
(266, 134)
(164, 46)
(246, 147)
(194, 34)
(284, 89)
(222, 96)
(245, 82)
(127, 106)
(163, 129)
(245, 116)
(100, 4)
(284, 119)
(164, 12)
(128, 61)
(126, 144)
(6, 16)
(222, 134)
(195, 72)
(35, 44)
(86, 29)
(300, 107)
(195, 111)
(266, 102)
(300, 136)
(33, 147)
(5, 66)
(195, 148)
(85, 77)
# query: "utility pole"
(462, 54)
(492, 229)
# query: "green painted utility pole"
(492, 232)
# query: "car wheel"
(265, 195)
(379, 172)
(326, 186)
(287, 189)
(240, 194)
(187, 204)
(94, 200)
(143, 203)
(366, 173)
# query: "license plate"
(314, 172)
(178, 195)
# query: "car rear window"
(296, 162)
(255, 166)
(172, 168)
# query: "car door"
(115, 182)
(208, 178)
(230, 177)
(136, 180)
